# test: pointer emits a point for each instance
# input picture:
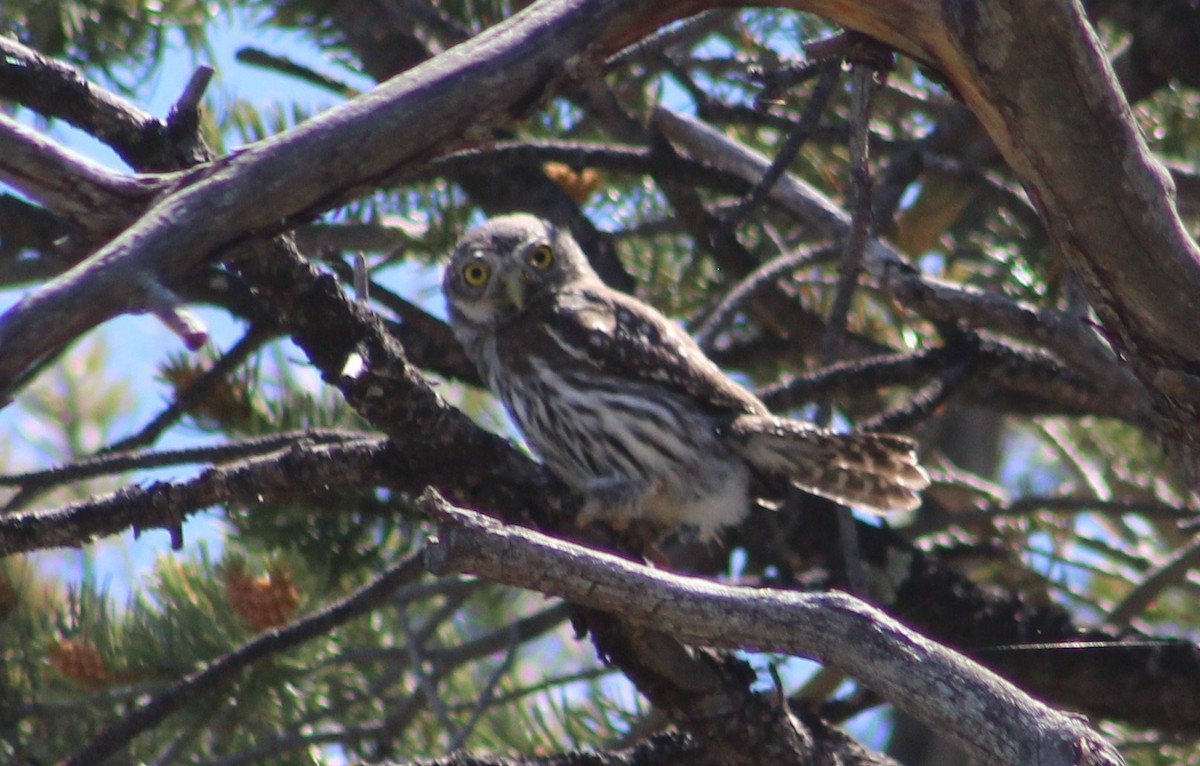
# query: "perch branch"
(995, 721)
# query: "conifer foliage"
(256, 506)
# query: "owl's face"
(500, 268)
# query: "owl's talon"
(613, 500)
(612, 517)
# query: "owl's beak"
(514, 287)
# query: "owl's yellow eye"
(542, 257)
(475, 274)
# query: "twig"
(174, 313)
(1030, 504)
(1171, 572)
(132, 460)
(1089, 471)
(849, 268)
(184, 116)
(551, 682)
(680, 32)
(855, 243)
(995, 721)
(271, 62)
(923, 404)
(756, 280)
(963, 354)
(370, 596)
(423, 672)
(486, 695)
(796, 137)
(851, 375)
(526, 628)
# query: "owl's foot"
(615, 501)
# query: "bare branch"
(169, 309)
(59, 90)
(1169, 573)
(165, 505)
(855, 242)
(132, 460)
(68, 183)
(792, 145)
(758, 279)
(995, 721)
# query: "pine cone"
(262, 602)
(78, 660)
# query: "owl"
(624, 407)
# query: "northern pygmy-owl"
(625, 408)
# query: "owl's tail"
(875, 472)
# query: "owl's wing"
(620, 335)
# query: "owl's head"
(500, 268)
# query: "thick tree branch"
(993, 720)
(1051, 103)
(1137, 679)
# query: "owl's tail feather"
(875, 472)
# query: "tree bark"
(992, 719)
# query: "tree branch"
(1060, 120)
(59, 90)
(68, 183)
(164, 505)
(995, 721)
(133, 460)
(1144, 681)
